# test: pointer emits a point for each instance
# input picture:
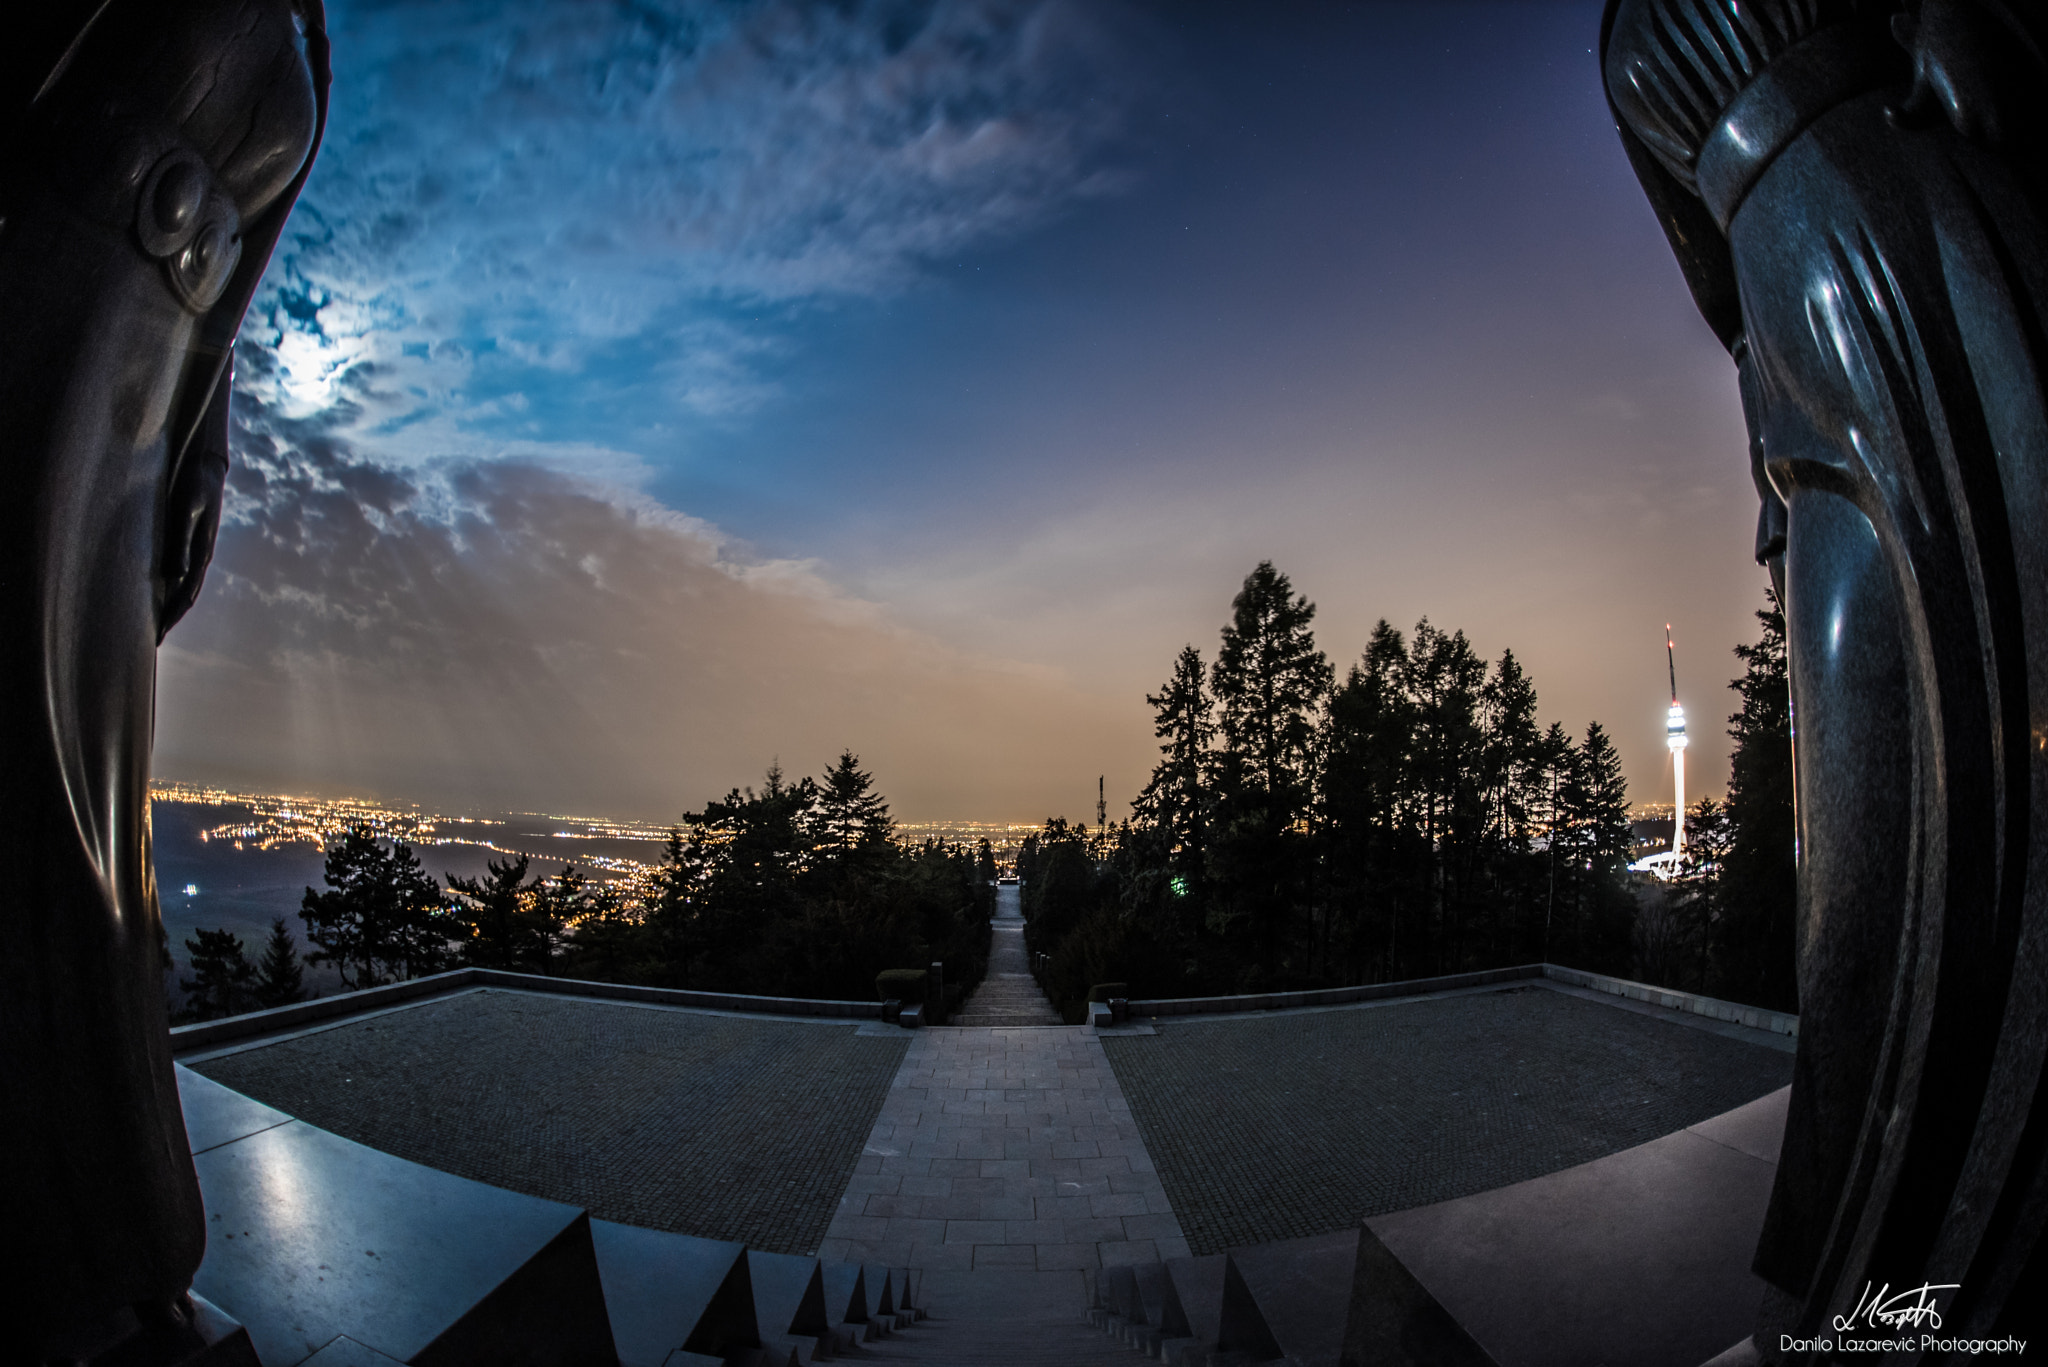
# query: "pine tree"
(1558, 784)
(555, 905)
(220, 984)
(496, 914)
(1271, 682)
(1758, 890)
(611, 941)
(381, 917)
(279, 979)
(742, 867)
(1371, 859)
(1176, 799)
(849, 815)
(1447, 680)
(1509, 755)
(1603, 904)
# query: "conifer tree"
(221, 982)
(1604, 904)
(849, 815)
(675, 936)
(611, 942)
(1270, 682)
(1371, 858)
(1558, 786)
(381, 916)
(279, 979)
(1177, 798)
(742, 865)
(496, 913)
(1446, 682)
(556, 904)
(1758, 882)
(1510, 754)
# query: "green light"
(1179, 886)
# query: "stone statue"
(152, 150)
(1855, 192)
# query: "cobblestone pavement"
(717, 1126)
(1282, 1126)
(1005, 1148)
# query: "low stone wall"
(1331, 996)
(1753, 1016)
(249, 1025)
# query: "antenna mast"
(1101, 808)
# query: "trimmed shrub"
(906, 985)
(1103, 992)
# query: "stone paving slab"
(1005, 1148)
(1284, 1126)
(722, 1127)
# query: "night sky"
(646, 392)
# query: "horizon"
(164, 788)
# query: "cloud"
(502, 635)
(524, 208)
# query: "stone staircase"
(1006, 999)
(1008, 994)
(1003, 1318)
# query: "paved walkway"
(1008, 994)
(1004, 1148)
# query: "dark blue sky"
(647, 392)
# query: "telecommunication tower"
(1101, 808)
(1674, 738)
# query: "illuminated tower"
(1674, 737)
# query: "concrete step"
(669, 1292)
(979, 1343)
(1221, 1314)
(789, 1305)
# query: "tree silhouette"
(1758, 884)
(381, 917)
(1270, 681)
(279, 979)
(220, 984)
(555, 905)
(496, 914)
(847, 814)
(1176, 800)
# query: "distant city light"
(280, 820)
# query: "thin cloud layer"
(498, 634)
